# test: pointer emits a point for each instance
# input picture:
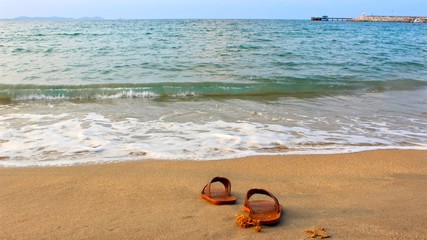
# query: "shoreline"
(57, 164)
(370, 195)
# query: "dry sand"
(367, 195)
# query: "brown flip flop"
(268, 212)
(218, 195)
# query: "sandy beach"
(366, 195)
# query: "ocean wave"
(293, 87)
(75, 34)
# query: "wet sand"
(367, 195)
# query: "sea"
(89, 92)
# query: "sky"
(234, 9)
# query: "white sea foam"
(66, 139)
(128, 93)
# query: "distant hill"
(24, 18)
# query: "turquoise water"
(100, 91)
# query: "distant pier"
(326, 18)
(363, 18)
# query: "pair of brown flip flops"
(267, 212)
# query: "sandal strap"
(264, 192)
(223, 180)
